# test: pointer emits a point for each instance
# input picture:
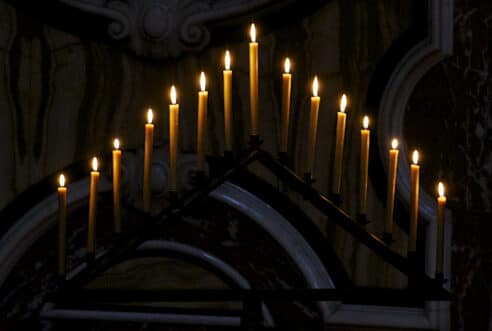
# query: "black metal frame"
(421, 287)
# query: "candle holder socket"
(283, 158)
(440, 280)
(308, 178)
(362, 219)
(173, 197)
(254, 140)
(388, 238)
(198, 178)
(90, 257)
(336, 199)
(228, 156)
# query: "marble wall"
(450, 117)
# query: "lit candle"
(286, 89)
(173, 140)
(414, 202)
(116, 185)
(340, 138)
(313, 127)
(62, 225)
(91, 235)
(149, 147)
(365, 135)
(390, 198)
(441, 204)
(253, 80)
(228, 102)
(202, 122)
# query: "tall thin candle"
(441, 204)
(286, 90)
(390, 197)
(340, 139)
(116, 185)
(228, 102)
(365, 135)
(253, 81)
(313, 128)
(173, 140)
(91, 235)
(414, 201)
(149, 147)
(62, 225)
(202, 122)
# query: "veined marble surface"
(450, 118)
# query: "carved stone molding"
(167, 28)
(417, 62)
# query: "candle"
(414, 202)
(173, 139)
(202, 122)
(228, 102)
(286, 89)
(365, 135)
(62, 225)
(149, 146)
(441, 204)
(253, 81)
(340, 138)
(91, 237)
(313, 127)
(390, 198)
(116, 185)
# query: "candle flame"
(252, 33)
(287, 65)
(94, 163)
(61, 180)
(343, 103)
(150, 116)
(415, 157)
(440, 189)
(203, 81)
(173, 95)
(227, 60)
(315, 86)
(394, 143)
(365, 122)
(116, 143)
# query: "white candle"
(62, 225)
(414, 202)
(202, 122)
(91, 235)
(286, 90)
(253, 80)
(390, 197)
(173, 140)
(116, 185)
(340, 139)
(228, 102)
(149, 147)
(313, 127)
(441, 204)
(365, 135)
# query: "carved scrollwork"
(164, 28)
(119, 25)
